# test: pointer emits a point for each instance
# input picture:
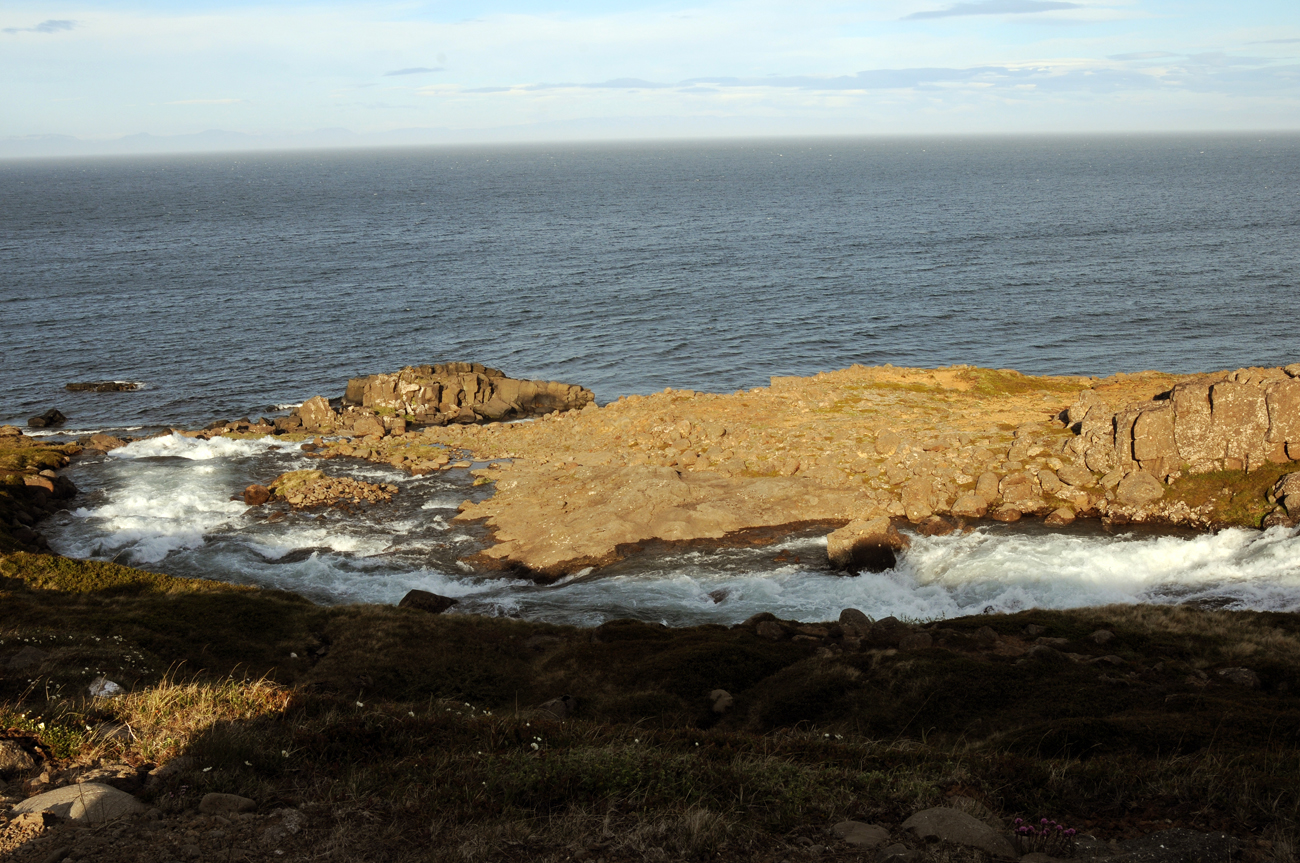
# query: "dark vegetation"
(418, 736)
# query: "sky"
(536, 70)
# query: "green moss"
(1237, 497)
(990, 382)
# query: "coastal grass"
(1237, 497)
(405, 735)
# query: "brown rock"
(916, 641)
(14, 759)
(987, 487)
(317, 415)
(1006, 513)
(865, 545)
(367, 426)
(1139, 489)
(887, 443)
(1076, 476)
(104, 442)
(49, 419)
(1153, 433)
(970, 506)
(770, 629)
(256, 495)
(1061, 516)
(916, 498)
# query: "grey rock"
(1139, 489)
(722, 700)
(1101, 636)
(860, 834)
(944, 824)
(216, 803)
(559, 708)
(854, 617)
(88, 803)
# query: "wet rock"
(944, 824)
(427, 601)
(1060, 517)
(102, 387)
(936, 525)
(861, 835)
(88, 802)
(865, 545)
(256, 495)
(1006, 514)
(49, 419)
(970, 505)
(104, 442)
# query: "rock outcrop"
(308, 488)
(1237, 420)
(102, 387)
(465, 393)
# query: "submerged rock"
(49, 419)
(865, 545)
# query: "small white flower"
(207, 769)
(284, 752)
(535, 746)
(248, 764)
(41, 726)
(359, 704)
(410, 713)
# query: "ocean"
(235, 285)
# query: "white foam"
(177, 445)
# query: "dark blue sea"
(229, 285)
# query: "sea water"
(240, 284)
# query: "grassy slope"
(414, 727)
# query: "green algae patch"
(1237, 497)
(990, 382)
(52, 572)
(295, 480)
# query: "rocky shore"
(935, 448)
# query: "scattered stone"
(1178, 846)
(1006, 513)
(945, 824)
(1033, 630)
(986, 637)
(49, 419)
(102, 687)
(1101, 636)
(88, 802)
(722, 700)
(215, 803)
(1240, 677)
(770, 629)
(256, 495)
(860, 834)
(302, 489)
(970, 505)
(888, 632)
(104, 442)
(426, 601)
(14, 759)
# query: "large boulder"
(317, 415)
(424, 600)
(87, 802)
(1139, 489)
(449, 391)
(944, 824)
(870, 545)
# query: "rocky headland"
(858, 449)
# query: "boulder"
(1240, 677)
(88, 803)
(49, 419)
(104, 442)
(368, 426)
(256, 495)
(987, 487)
(10, 431)
(559, 708)
(1139, 489)
(317, 415)
(1077, 476)
(722, 700)
(860, 834)
(944, 824)
(855, 618)
(888, 632)
(865, 545)
(426, 601)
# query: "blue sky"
(520, 70)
